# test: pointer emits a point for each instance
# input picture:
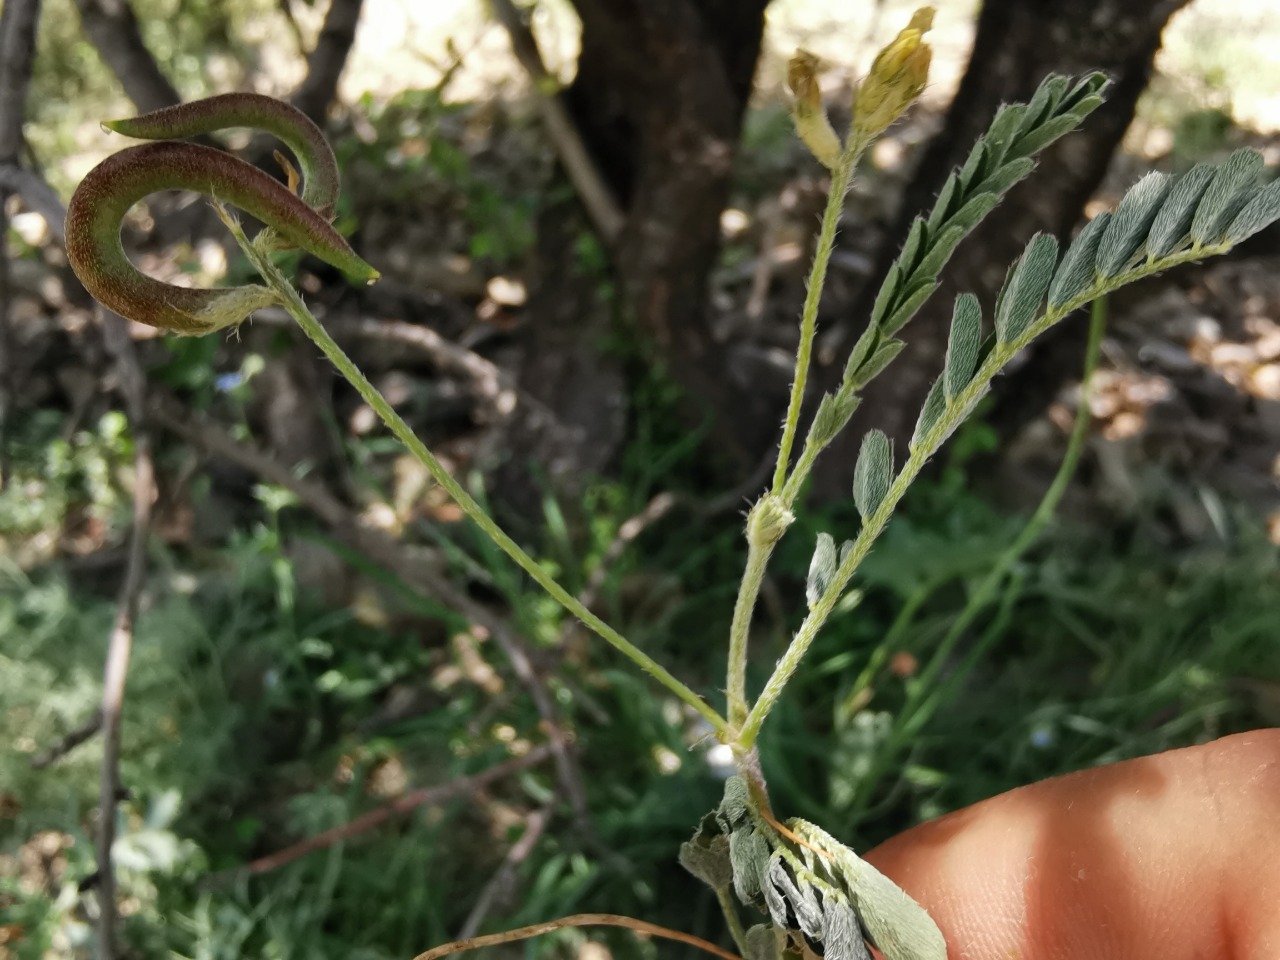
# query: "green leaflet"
(1258, 214)
(873, 473)
(1020, 299)
(1131, 222)
(963, 345)
(1172, 224)
(1228, 193)
(1078, 270)
(934, 406)
(822, 568)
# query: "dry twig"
(401, 805)
(577, 920)
(504, 876)
(69, 741)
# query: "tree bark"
(18, 21)
(1018, 42)
(113, 30)
(327, 59)
(659, 98)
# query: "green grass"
(249, 702)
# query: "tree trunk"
(113, 30)
(658, 99)
(1018, 42)
(325, 62)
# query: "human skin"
(1169, 857)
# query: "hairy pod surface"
(320, 181)
(104, 196)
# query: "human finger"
(1173, 856)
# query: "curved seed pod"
(320, 182)
(112, 187)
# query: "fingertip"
(1171, 856)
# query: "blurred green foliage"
(253, 714)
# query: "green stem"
(758, 552)
(840, 179)
(928, 445)
(313, 329)
(923, 699)
(739, 630)
(732, 920)
(1044, 510)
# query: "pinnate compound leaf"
(963, 345)
(1227, 194)
(1025, 289)
(873, 473)
(1172, 224)
(822, 567)
(1078, 271)
(1258, 214)
(1131, 222)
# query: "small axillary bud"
(768, 521)
(897, 77)
(807, 111)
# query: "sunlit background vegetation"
(282, 685)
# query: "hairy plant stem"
(732, 920)
(841, 177)
(758, 551)
(926, 695)
(748, 591)
(955, 413)
(292, 303)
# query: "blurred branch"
(390, 553)
(596, 197)
(72, 739)
(114, 675)
(18, 22)
(500, 883)
(36, 195)
(327, 59)
(113, 30)
(286, 11)
(492, 384)
(407, 803)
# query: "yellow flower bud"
(897, 77)
(807, 112)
